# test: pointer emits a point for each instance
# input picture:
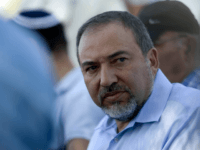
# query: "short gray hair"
(128, 20)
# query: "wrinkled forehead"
(98, 45)
(99, 27)
(95, 29)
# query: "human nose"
(107, 77)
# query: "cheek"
(139, 82)
(128, 78)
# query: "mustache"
(112, 88)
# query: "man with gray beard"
(121, 71)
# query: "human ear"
(189, 49)
(152, 57)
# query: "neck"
(62, 63)
(121, 125)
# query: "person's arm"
(77, 144)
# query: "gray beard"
(121, 112)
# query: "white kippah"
(36, 22)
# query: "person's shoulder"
(182, 122)
(71, 80)
(184, 90)
(76, 96)
(74, 76)
(186, 96)
(79, 89)
(76, 71)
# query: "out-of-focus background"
(73, 13)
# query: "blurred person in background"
(174, 32)
(134, 6)
(26, 90)
(72, 13)
(77, 115)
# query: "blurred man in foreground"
(174, 32)
(144, 110)
(26, 91)
(77, 115)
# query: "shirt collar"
(154, 106)
(152, 109)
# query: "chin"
(122, 112)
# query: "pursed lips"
(112, 96)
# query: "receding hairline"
(100, 26)
(125, 19)
(94, 28)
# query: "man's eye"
(121, 59)
(91, 68)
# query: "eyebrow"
(90, 63)
(117, 53)
(87, 63)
